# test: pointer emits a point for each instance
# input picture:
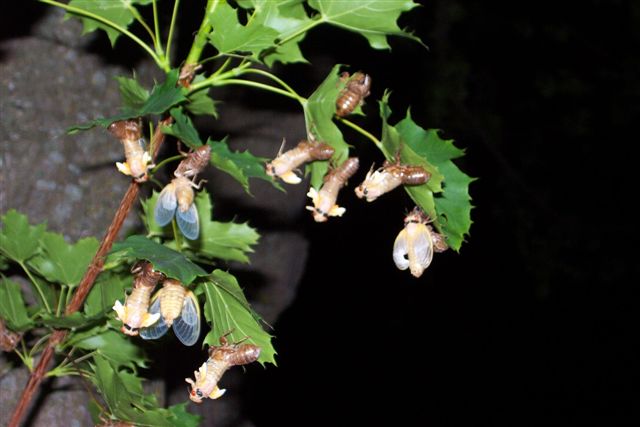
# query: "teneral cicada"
(177, 197)
(416, 243)
(134, 313)
(284, 164)
(390, 176)
(178, 308)
(221, 358)
(8, 338)
(138, 160)
(356, 89)
(324, 201)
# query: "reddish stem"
(84, 287)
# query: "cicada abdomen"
(416, 243)
(390, 176)
(134, 313)
(324, 201)
(356, 89)
(138, 160)
(178, 308)
(284, 165)
(8, 338)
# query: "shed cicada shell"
(177, 197)
(416, 243)
(388, 177)
(138, 160)
(8, 338)
(178, 308)
(221, 358)
(134, 313)
(356, 90)
(284, 165)
(324, 201)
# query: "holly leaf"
(19, 241)
(12, 306)
(226, 311)
(133, 95)
(149, 220)
(182, 417)
(230, 36)
(71, 321)
(374, 19)
(319, 110)
(108, 288)
(120, 13)
(240, 165)
(223, 240)
(200, 103)
(183, 129)
(62, 262)
(115, 347)
(172, 263)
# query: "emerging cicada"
(178, 307)
(177, 197)
(221, 358)
(284, 164)
(415, 244)
(8, 339)
(324, 201)
(134, 313)
(388, 177)
(356, 89)
(138, 159)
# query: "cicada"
(138, 160)
(324, 201)
(284, 164)
(8, 339)
(416, 243)
(134, 313)
(221, 358)
(177, 197)
(388, 177)
(178, 307)
(356, 89)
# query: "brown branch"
(95, 267)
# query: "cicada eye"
(199, 393)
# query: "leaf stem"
(361, 131)
(176, 235)
(26, 360)
(38, 343)
(257, 85)
(156, 29)
(144, 24)
(60, 299)
(300, 31)
(82, 12)
(165, 161)
(201, 37)
(174, 14)
(37, 286)
(275, 79)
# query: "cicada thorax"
(283, 165)
(8, 339)
(356, 89)
(145, 275)
(137, 158)
(184, 193)
(194, 162)
(324, 201)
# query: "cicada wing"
(188, 222)
(159, 328)
(187, 325)
(400, 250)
(166, 205)
(420, 246)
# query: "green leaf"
(133, 95)
(19, 241)
(230, 36)
(183, 129)
(119, 12)
(318, 113)
(71, 321)
(374, 19)
(4, 262)
(63, 262)
(116, 347)
(224, 240)
(227, 309)
(183, 418)
(200, 103)
(108, 288)
(445, 198)
(12, 306)
(174, 264)
(149, 220)
(240, 165)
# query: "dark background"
(534, 322)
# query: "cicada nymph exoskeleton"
(134, 314)
(221, 358)
(357, 88)
(138, 160)
(8, 338)
(178, 308)
(416, 243)
(324, 201)
(177, 197)
(285, 164)
(388, 177)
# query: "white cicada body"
(138, 159)
(134, 314)
(176, 198)
(416, 243)
(178, 308)
(324, 201)
(388, 177)
(284, 165)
